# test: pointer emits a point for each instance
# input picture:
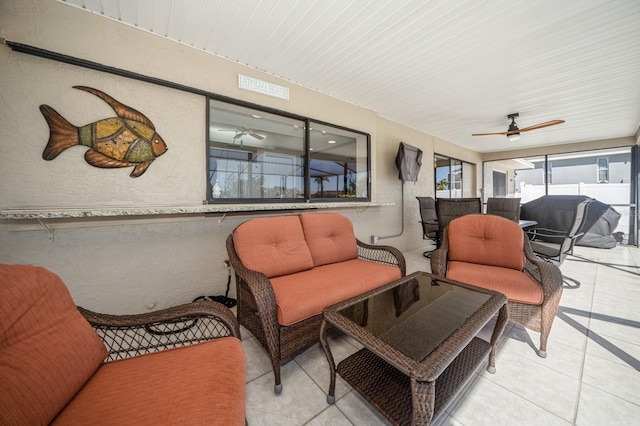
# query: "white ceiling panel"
(448, 68)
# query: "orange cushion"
(305, 294)
(47, 349)
(330, 237)
(486, 240)
(202, 384)
(273, 245)
(516, 285)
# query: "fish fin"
(62, 134)
(122, 110)
(97, 159)
(139, 169)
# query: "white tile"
(616, 379)
(315, 364)
(560, 357)
(330, 417)
(614, 350)
(446, 420)
(620, 324)
(489, 404)
(258, 360)
(597, 408)
(300, 401)
(525, 378)
(570, 327)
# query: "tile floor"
(590, 377)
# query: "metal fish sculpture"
(130, 139)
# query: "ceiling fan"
(513, 132)
(243, 131)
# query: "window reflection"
(337, 163)
(255, 155)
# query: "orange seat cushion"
(486, 240)
(305, 294)
(201, 384)
(273, 245)
(47, 349)
(516, 285)
(330, 237)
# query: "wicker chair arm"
(439, 257)
(131, 335)
(258, 283)
(382, 254)
(262, 291)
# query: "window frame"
(602, 169)
(451, 181)
(306, 158)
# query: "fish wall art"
(130, 139)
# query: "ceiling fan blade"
(541, 125)
(489, 134)
(255, 135)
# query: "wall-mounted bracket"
(46, 228)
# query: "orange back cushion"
(486, 240)
(273, 245)
(48, 350)
(330, 237)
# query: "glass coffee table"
(420, 344)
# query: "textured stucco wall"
(131, 265)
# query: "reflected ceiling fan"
(243, 131)
(513, 132)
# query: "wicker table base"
(389, 391)
(405, 390)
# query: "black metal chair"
(429, 221)
(448, 209)
(560, 219)
(506, 207)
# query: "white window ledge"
(60, 213)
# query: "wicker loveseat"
(493, 252)
(63, 365)
(289, 268)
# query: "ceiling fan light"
(513, 137)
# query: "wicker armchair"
(489, 240)
(61, 364)
(258, 313)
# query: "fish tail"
(62, 134)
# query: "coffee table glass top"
(426, 307)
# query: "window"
(603, 170)
(260, 156)
(449, 177)
(573, 174)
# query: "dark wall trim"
(59, 57)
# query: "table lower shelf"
(389, 390)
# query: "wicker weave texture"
(257, 310)
(546, 274)
(404, 390)
(131, 335)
